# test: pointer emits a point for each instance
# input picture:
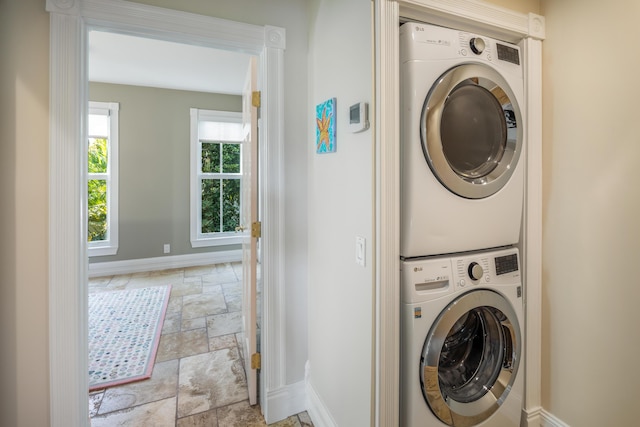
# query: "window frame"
(199, 239)
(109, 246)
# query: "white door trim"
(69, 23)
(495, 21)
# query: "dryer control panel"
(441, 43)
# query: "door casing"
(70, 21)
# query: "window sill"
(102, 251)
(217, 241)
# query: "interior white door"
(251, 227)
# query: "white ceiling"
(123, 59)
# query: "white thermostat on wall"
(359, 117)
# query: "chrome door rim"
(448, 410)
(431, 138)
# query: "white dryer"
(462, 341)
(461, 141)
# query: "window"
(216, 172)
(102, 178)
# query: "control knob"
(475, 271)
(477, 45)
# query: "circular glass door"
(471, 130)
(470, 358)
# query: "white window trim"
(198, 239)
(110, 245)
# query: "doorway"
(155, 83)
(67, 250)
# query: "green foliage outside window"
(97, 190)
(220, 196)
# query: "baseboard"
(161, 263)
(539, 417)
(285, 401)
(317, 409)
(550, 420)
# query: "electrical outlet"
(167, 248)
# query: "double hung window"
(102, 178)
(216, 171)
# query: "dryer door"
(470, 358)
(471, 130)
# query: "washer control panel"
(506, 264)
(425, 279)
(430, 278)
(472, 270)
(488, 268)
(475, 271)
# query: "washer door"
(470, 358)
(471, 130)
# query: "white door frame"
(527, 30)
(69, 22)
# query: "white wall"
(591, 224)
(340, 201)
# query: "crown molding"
(67, 7)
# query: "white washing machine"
(461, 141)
(462, 341)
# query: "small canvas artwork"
(326, 126)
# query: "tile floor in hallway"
(199, 377)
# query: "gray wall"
(154, 166)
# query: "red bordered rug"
(124, 333)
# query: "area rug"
(124, 332)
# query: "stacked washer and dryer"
(462, 192)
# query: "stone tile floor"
(199, 377)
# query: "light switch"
(360, 251)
